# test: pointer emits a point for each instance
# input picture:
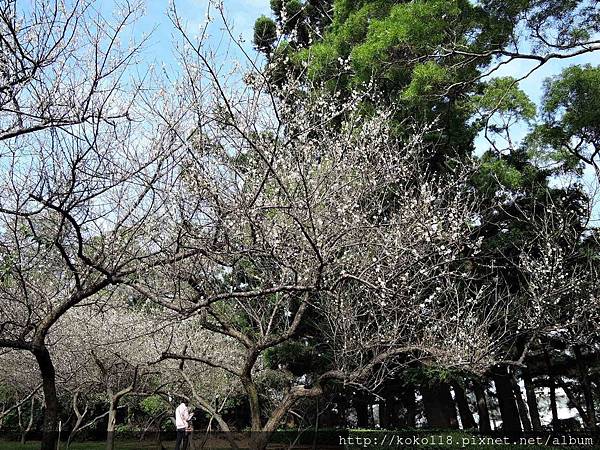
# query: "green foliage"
(427, 80)
(503, 95)
(409, 29)
(276, 6)
(570, 131)
(572, 103)
(265, 33)
(299, 358)
(269, 380)
(153, 405)
(431, 375)
(496, 173)
(544, 142)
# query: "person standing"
(182, 416)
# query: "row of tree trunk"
(519, 410)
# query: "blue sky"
(240, 14)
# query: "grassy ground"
(171, 446)
(135, 445)
(459, 439)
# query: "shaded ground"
(353, 440)
(171, 445)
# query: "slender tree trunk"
(410, 404)
(439, 406)
(586, 385)
(582, 413)
(371, 415)
(384, 409)
(260, 440)
(522, 407)
(112, 422)
(553, 406)
(506, 401)
(27, 429)
(342, 406)
(466, 416)
(50, 398)
(362, 413)
(532, 403)
(80, 416)
(552, 383)
(482, 408)
(390, 410)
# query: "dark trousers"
(182, 439)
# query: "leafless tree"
(82, 176)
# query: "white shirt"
(182, 415)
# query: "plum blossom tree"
(301, 209)
(81, 173)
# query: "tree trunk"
(362, 414)
(573, 400)
(50, 399)
(384, 410)
(552, 383)
(80, 416)
(408, 400)
(523, 413)
(110, 427)
(532, 403)
(482, 408)
(586, 385)
(466, 416)
(27, 429)
(387, 406)
(439, 406)
(371, 416)
(391, 411)
(506, 401)
(553, 406)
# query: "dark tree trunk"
(439, 406)
(383, 411)
(342, 405)
(586, 385)
(50, 399)
(523, 413)
(392, 413)
(362, 414)
(506, 401)
(552, 384)
(388, 411)
(407, 397)
(482, 408)
(553, 406)
(532, 404)
(392, 404)
(466, 416)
